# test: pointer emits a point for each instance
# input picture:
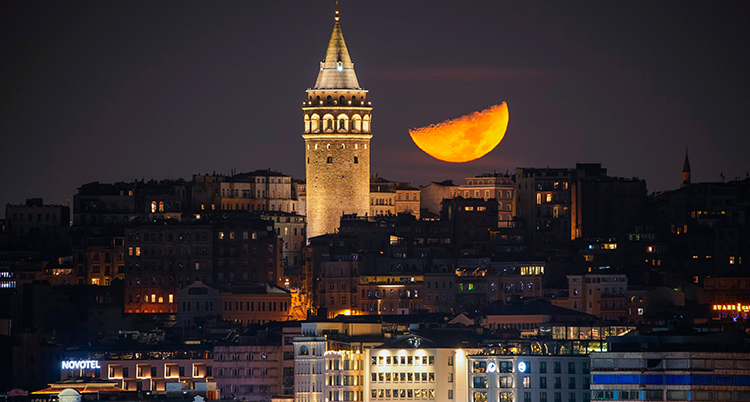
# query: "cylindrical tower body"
(337, 118)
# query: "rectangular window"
(543, 367)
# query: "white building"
(444, 365)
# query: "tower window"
(356, 159)
(330, 159)
(342, 124)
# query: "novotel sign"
(80, 365)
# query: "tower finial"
(685, 170)
(336, 17)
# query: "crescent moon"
(465, 138)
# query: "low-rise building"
(255, 304)
(157, 369)
(248, 372)
(672, 366)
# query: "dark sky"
(119, 90)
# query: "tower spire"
(337, 70)
(686, 170)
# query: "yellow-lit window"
(731, 260)
(549, 197)
(539, 198)
(137, 251)
(171, 298)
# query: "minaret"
(685, 171)
(337, 141)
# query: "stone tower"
(337, 141)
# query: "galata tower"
(337, 141)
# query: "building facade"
(497, 186)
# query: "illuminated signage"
(522, 367)
(80, 364)
(491, 368)
(732, 307)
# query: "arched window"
(343, 122)
(330, 159)
(356, 159)
(161, 206)
(329, 100)
(329, 124)
(319, 101)
(356, 123)
(303, 351)
(354, 99)
(307, 123)
(366, 124)
(315, 123)
(343, 146)
(342, 100)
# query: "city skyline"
(105, 92)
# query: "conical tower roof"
(686, 164)
(337, 71)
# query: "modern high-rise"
(337, 141)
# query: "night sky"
(119, 90)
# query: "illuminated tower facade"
(337, 141)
